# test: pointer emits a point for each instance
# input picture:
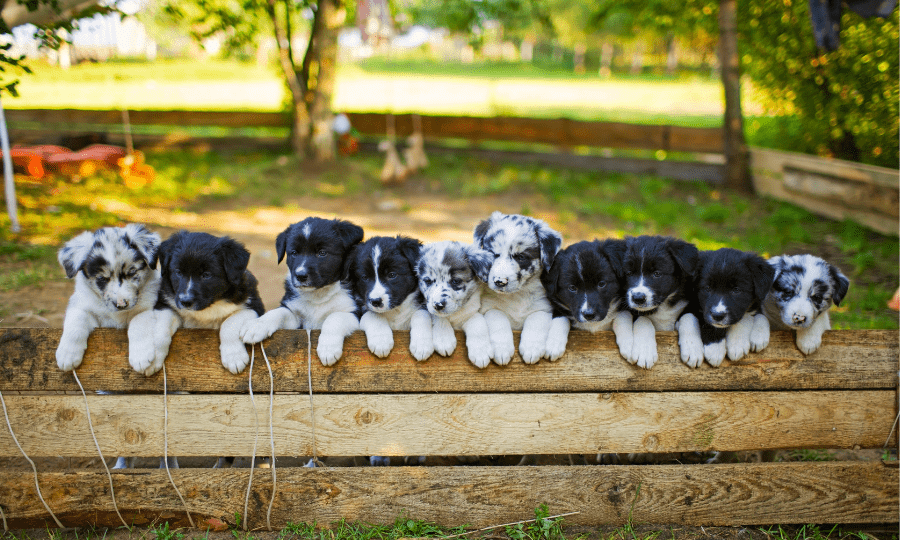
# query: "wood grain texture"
(848, 359)
(742, 494)
(456, 424)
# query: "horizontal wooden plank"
(229, 119)
(848, 359)
(455, 424)
(741, 494)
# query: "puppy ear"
(550, 242)
(614, 251)
(350, 265)
(763, 275)
(550, 278)
(482, 228)
(410, 248)
(144, 241)
(164, 253)
(686, 255)
(234, 258)
(776, 263)
(350, 234)
(480, 261)
(73, 254)
(840, 282)
(281, 243)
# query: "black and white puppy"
(115, 280)
(316, 296)
(522, 248)
(449, 281)
(802, 292)
(382, 274)
(205, 284)
(724, 312)
(658, 274)
(584, 286)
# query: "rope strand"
(112, 490)
(271, 436)
(33, 467)
(166, 446)
(255, 440)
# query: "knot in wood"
(606, 396)
(365, 416)
(651, 442)
(133, 436)
(66, 415)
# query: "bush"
(846, 101)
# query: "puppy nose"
(638, 297)
(121, 304)
(301, 275)
(440, 305)
(501, 282)
(588, 314)
(376, 302)
(186, 300)
(799, 319)
(719, 316)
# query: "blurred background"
(605, 119)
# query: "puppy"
(315, 296)
(383, 278)
(584, 287)
(522, 249)
(448, 279)
(115, 280)
(205, 284)
(723, 316)
(802, 292)
(658, 273)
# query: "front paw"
(69, 354)
(380, 341)
(738, 345)
(329, 349)
(504, 349)
(479, 352)
(626, 344)
(380, 461)
(809, 342)
(142, 356)
(644, 353)
(691, 352)
(421, 345)
(556, 345)
(444, 340)
(255, 331)
(759, 336)
(234, 356)
(715, 353)
(532, 347)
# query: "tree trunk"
(326, 25)
(737, 159)
(300, 117)
(671, 55)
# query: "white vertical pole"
(10, 187)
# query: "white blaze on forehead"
(190, 286)
(306, 230)
(585, 306)
(378, 290)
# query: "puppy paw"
(379, 461)
(421, 346)
(234, 356)
(809, 342)
(256, 330)
(479, 353)
(142, 356)
(759, 336)
(123, 463)
(737, 346)
(69, 354)
(556, 345)
(504, 349)
(715, 353)
(330, 349)
(444, 340)
(644, 354)
(380, 341)
(532, 348)
(690, 344)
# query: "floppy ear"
(614, 251)
(550, 278)
(778, 264)
(763, 275)
(144, 241)
(73, 254)
(410, 248)
(164, 253)
(840, 282)
(686, 255)
(550, 242)
(480, 261)
(482, 228)
(234, 258)
(281, 243)
(350, 234)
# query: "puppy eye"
(206, 275)
(293, 252)
(520, 256)
(177, 272)
(657, 274)
(496, 255)
(322, 253)
(427, 281)
(817, 298)
(601, 285)
(131, 273)
(573, 288)
(391, 275)
(629, 272)
(736, 290)
(456, 282)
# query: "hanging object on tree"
(414, 154)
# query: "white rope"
(255, 440)
(271, 436)
(2, 515)
(166, 447)
(312, 411)
(36, 486)
(112, 490)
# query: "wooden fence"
(590, 401)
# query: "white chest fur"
(532, 298)
(665, 317)
(210, 317)
(400, 317)
(314, 306)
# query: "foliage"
(473, 17)
(846, 101)
(542, 528)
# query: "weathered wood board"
(865, 359)
(454, 424)
(742, 494)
